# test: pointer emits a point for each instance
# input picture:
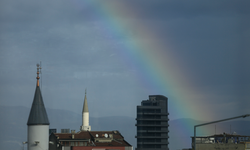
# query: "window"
(65, 143)
(248, 146)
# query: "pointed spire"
(85, 104)
(38, 114)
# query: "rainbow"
(157, 65)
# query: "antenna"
(38, 72)
(41, 74)
(230, 128)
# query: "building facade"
(89, 140)
(152, 123)
(222, 141)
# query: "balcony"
(152, 113)
(153, 119)
(160, 143)
(152, 137)
(154, 131)
(153, 125)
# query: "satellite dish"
(96, 135)
(106, 135)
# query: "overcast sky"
(203, 45)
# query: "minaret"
(85, 115)
(38, 122)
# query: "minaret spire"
(38, 122)
(38, 114)
(85, 115)
(85, 104)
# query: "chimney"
(73, 133)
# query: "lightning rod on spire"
(38, 72)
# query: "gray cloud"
(78, 51)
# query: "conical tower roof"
(38, 114)
(85, 104)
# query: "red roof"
(117, 138)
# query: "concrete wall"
(39, 133)
(129, 148)
(85, 122)
(85, 118)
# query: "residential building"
(89, 140)
(152, 123)
(222, 141)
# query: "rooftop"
(98, 138)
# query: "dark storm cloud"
(188, 9)
(210, 38)
(209, 35)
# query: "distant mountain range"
(13, 127)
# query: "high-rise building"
(38, 122)
(152, 123)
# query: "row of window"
(148, 116)
(149, 140)
(151, 146)
(77, 143)
(148, 134)
(152, 134)
(139, 116)
(140, 110)
(150, 104)
(152, 122)
(149, 128)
